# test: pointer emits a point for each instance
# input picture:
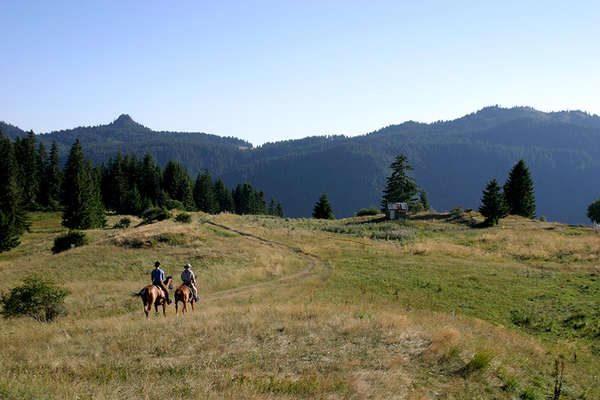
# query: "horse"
(151, 295)
(183, 294)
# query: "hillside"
(294, 308)
(453, 160)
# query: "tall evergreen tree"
(204, 194)
(493, 206)
(81, 194)
(13, 220)
(272, 207)
(518, 191)
(259, 203)
(150, 176)
(400, 187)
(223, 197)
(243, 197)
(279, 210)
(423, 200)
(322, 209)
(27, 163)
(177, 184)
(52, 176)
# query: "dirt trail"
(312, 261)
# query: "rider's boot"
(168, 299)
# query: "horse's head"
(169, 282)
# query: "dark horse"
(183, 294)
(151, 295)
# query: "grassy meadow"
(427, 308)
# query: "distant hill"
(11, 131)
(453, 160)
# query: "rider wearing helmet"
(158, 276)
(189, 279)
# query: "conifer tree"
(81, 194)
(223, 197)
(204, 194)
(272, 207)
(423, 200)
(52, 176)
(400, 187)
(518, 191)
(260, 203)
(27, 163)
(279, 210)
(150, 176)
(493, 206)
(177, 184)
(13, 220)
(322, 209)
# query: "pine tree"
(260, 203)
(223, 197)
(81, 194)
(132, 202)
(322, 209)
(400, 187)
(204, 194)
(177, 184)
(279, 210)
(150, 176)
(50, 197)
(493, 206)
(13, 220)
(27, 164)
(423, 200)
(518, 191)
(272, 207)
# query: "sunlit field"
(427, 308)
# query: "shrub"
(69, 240)
(123, 223)
(171, 204)
(38, 297)
(479, 362)
(367, 211)
(543, 219)
(183, 218)
(155, 214)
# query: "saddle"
(160, 290)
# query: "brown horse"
(151, 295)
(183, 294)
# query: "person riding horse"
(158, 276)
(189, 279)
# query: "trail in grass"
(312, 261)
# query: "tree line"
(32, 179)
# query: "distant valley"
(452, 160)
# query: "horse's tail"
(140, 293)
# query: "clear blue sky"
(273, 70)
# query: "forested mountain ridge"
(452, 160)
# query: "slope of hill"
(453, 160)
(429, 308)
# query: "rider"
(158, 276)
(188, 278)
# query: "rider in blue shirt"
(158, 276)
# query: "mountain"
(11, 131)
(452, 160)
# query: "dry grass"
(283, 315)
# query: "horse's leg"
(176, 307)
(165, 308)
(146, 309)
(193, 301)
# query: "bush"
(155, 214)
(38, 297)
(171, 204)
(123, 223)
(69, 240)
(480, 362)
(367, 211)
(183, 218)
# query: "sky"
(274, 70)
